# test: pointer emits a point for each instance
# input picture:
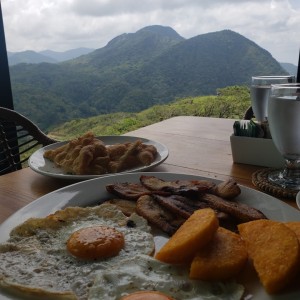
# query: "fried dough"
(127, 160)
(130, 155)
(116, 151)
(274, 249)
(88, 155)
(147, 155)
(84, 155)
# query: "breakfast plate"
(298, 199)
(93, 192)
(44, 166)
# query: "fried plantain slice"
(180, 205)
(179, 187)
(125, 190)
(157, 215)
(241, 211)
(185, 207)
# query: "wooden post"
(298, 70)
(6, 99)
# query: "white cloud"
(66, 24)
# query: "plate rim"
(298, 199)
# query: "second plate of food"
(38, 163)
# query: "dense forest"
(136, 71)
(230, 102)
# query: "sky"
(62, 25)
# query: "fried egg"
(147, 295)
(145, 273)
(38, 261)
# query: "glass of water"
(260, 91)
(284, 122)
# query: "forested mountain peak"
(162, 30)
(142, 45)
(135, 71)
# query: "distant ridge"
(29, 57)
(66, 55)
(134, 71)
(290, 68)
(49, 56)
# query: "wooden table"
(197, 145)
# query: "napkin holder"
(255, 151)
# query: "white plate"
(43, 166)
(298, 199)
(93, 191)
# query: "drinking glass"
(260, 91)
(284, 122)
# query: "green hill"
(230, 102)
(28, 57)
(136, 71)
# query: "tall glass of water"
(284, 122)
(260, 92)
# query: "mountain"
(214, 106)
(131, 50)
(49, 56)
(134, 71)
(30, 57)
(290, 68)
(66, 55)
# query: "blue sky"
(66, 24)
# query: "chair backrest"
(19, 137)
(248, 114)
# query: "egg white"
(146, 273)
(35, 258)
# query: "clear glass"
(260, 92)
(284, 122)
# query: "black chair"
(19, 138)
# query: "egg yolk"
(96, 242)
(147, 295)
